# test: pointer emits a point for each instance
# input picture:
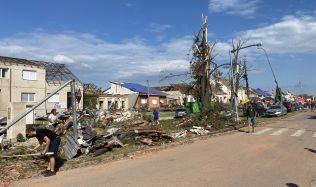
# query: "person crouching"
(52, 141)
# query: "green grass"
(169, 125)
(162, 114)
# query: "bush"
(20, 138)
(147, 117)
(212, 116)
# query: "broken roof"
(141, 89)
(18, 61)
(58, 72)
(54, 71)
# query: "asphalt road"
(279, 154)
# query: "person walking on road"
(251, 117)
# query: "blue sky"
(139, 40)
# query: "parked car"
(181, 112)
(276, 110)
(260, 108)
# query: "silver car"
(181, 112)
(276, 110)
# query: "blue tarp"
(263, 93)
(141, 89)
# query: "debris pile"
(151, 137)
(94, 144)
(199, 130)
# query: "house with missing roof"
(25, 82)
(121, 95)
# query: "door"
(29, 119)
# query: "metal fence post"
(74, 108)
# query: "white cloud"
(245, 8)
(63, 59)
(94, 59)
(291, 35)
(155, 27)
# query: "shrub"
(20, 138)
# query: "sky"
(140, 40)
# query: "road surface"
(279, 154)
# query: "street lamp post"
(278, 97)
(266, 54)
(235, 52)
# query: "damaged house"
(25, 82)
(125, 96)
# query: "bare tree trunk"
(205, 80)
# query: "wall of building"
(13, 86)
(154, 101)
(16, 108)
(59, 101)
(175, 97)
(118, 89)
(122, 101)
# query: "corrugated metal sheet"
(71, 147)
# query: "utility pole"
(246, 77)
(234, 71)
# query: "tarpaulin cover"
(263, 93)
(141, 89)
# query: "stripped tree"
(201, 64)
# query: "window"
(29, 75)
(4, 72)
(154, 101)
(143, 101)
(116, 104)
(28, 97)
(53, 99)
(109, 104)
(123, 104)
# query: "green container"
(194, 107)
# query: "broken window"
(109, 104)
(4, 73)
(116, 104)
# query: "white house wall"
(118, 89)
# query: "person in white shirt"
(53, 119)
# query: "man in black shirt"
(52, 142)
